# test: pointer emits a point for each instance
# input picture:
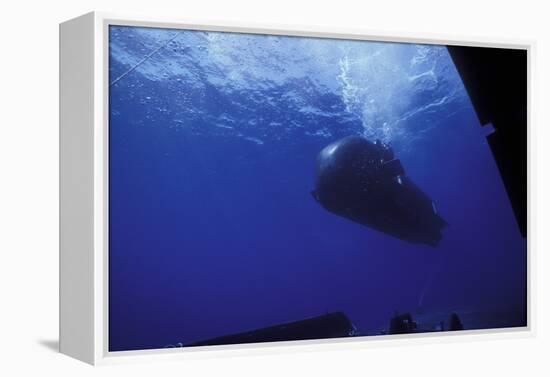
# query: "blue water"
(212, 229)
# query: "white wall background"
(29, 184)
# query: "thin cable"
(429, 281)
(145, 58)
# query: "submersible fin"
(363, 182)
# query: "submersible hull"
(363, 182)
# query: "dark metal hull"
(363, 182)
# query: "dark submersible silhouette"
(364, 182)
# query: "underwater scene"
(269, 188)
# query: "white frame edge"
(84, 191)
(76, 193)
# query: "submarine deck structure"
(330, 325)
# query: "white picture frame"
(84, 190)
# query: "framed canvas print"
(231, 187)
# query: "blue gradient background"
(212, 230)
